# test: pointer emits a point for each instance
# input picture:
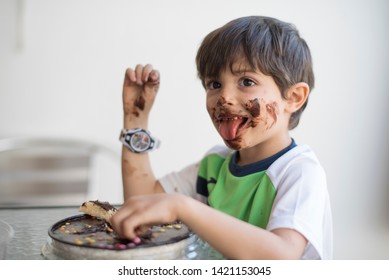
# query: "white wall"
(62, 64)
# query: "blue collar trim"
(258, 166)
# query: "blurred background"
(62, 65)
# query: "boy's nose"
(227, 96)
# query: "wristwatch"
(138, 140)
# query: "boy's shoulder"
(300, 154)
(299, 161)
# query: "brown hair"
(271, 46)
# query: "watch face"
(140, 141)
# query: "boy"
(263, 197)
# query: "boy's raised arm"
(140, 87)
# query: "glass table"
(31, 227)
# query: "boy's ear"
(296, 96)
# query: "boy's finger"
(141, 230)
(127, 228)
(138, 74)
(132, 75)
(129, 77)
(118, 218)
(133, 226)
(146, 72)
(154, 77)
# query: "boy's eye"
(213, 85)
(247, 83)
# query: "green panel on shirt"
(249, 198)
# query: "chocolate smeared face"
(253, 107)
(244, 106)
(228, 121)
(232, 123)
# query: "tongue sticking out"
(228, 129)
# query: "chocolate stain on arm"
(127, 168)
(135, 113)
(127, 108)
(130, 109)
(140, 102)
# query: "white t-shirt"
(301, 201)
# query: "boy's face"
(246, 107)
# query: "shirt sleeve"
(184, 181)
(302, 204)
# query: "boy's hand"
(139, 212)
(139, 90)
